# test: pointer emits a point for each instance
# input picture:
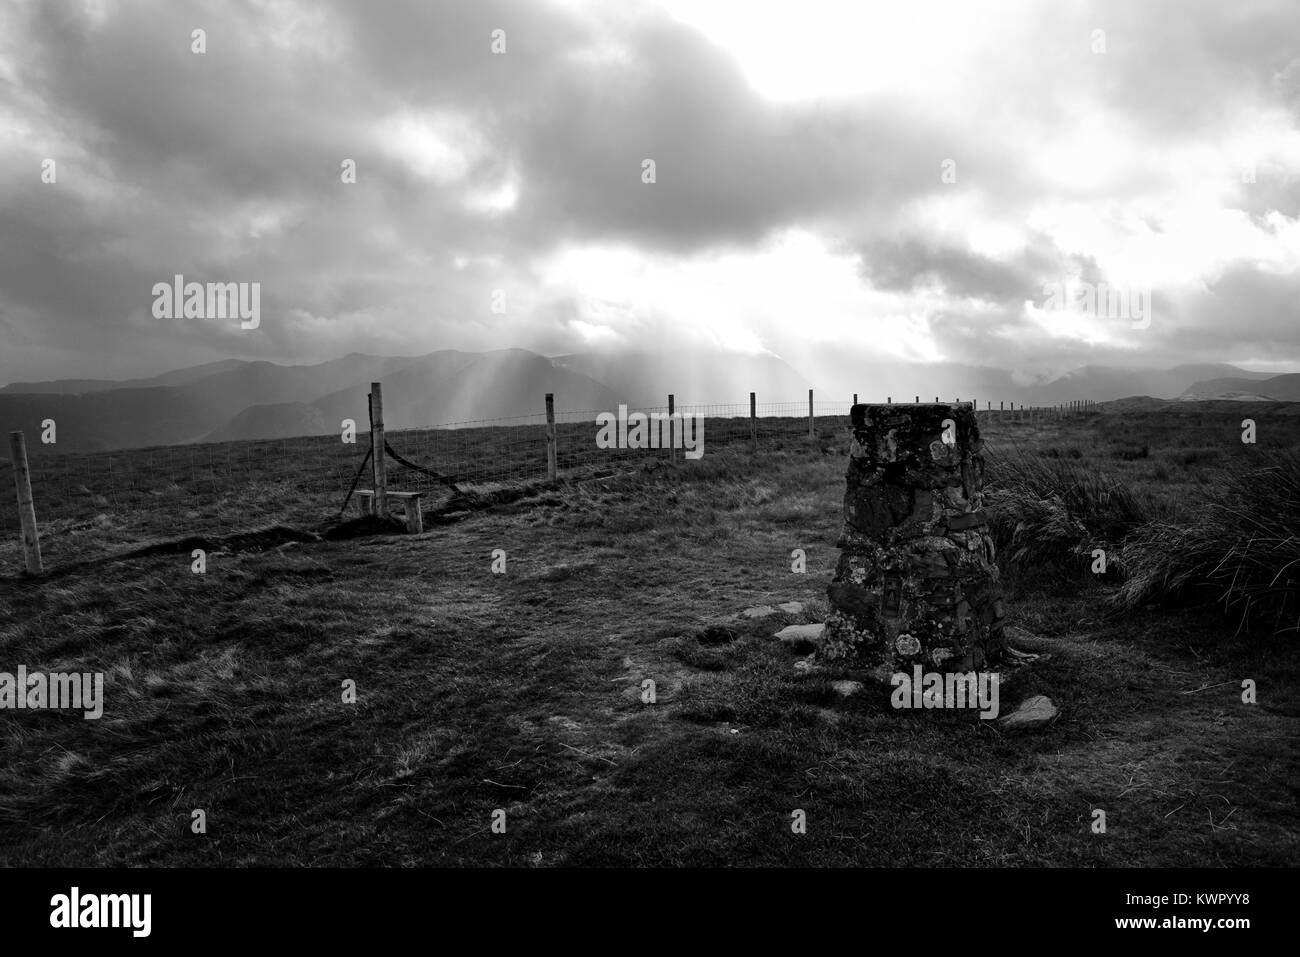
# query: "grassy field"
(522, 691)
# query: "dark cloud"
(904, 264)
(225, 166)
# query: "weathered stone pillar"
(916, 581)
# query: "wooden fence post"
(672, 446)
(855, 398)
(26, 510)
(552, 471)
(811, 431)
(377, 456)
(753, 424)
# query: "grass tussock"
(1240, 551)
(1048, 514)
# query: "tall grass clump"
(1047, 515)
(1240, 550)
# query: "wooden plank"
(414, 514)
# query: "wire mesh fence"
(229, 486)
(206, 487)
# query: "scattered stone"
(846, 688)
(716, 635)
(762, 611)
(1016, 658)
(801, 639)
(1034, 713)
(791, 607)
(806, 666)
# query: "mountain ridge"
(258, 399)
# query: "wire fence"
(230, 486)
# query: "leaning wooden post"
(811, 431)
(26, 509)
(672, 432)
(753, 424)
(552, 472)
(377, 457)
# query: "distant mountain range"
(1279, 388)
(1103, 383)
(259, 400)
(240, 400)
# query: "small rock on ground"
(801, 638)
(1034, 713)
(761, 611)
(847, 688)
(791, 607)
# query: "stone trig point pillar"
(916, 581)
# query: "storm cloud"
(820, 185)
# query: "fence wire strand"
(224, 487)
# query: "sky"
(856, 180)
